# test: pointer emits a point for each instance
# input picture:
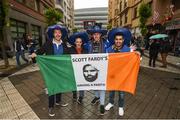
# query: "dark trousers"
(81, 94)
(152, 58)
(54, 98)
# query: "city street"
(157, 96)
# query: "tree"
(144, 14)
(3, 22)
(109, 26)
(53, 16)
(75, 30)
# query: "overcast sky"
(78, 4)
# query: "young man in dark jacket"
(54, 46)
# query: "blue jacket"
(88, 46)
(125, 48)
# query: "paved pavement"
(157, 95)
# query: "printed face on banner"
(90, 71)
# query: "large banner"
(114, 71)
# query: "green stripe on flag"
(58, 73)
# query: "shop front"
(173, 30)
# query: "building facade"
(26, 17)
(87, 17)
(124, 13)
(165, 17)
(66, 7)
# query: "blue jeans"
(100, 94)
(18, 54)
(81, 94)
(121, 98)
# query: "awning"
(173, 24)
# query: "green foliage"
(53, 16)
(144, 14)
(75, 30)
(109, 26)
(145, 10)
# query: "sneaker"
(57, 104)
(95, 100)
(79, 101)
(51, 112)
(109, 106)
(62, 104)
(102, 111)
(121, 111)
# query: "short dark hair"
(119, 34)
(87, 66)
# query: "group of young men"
(118, 41)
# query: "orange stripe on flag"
(123, 71)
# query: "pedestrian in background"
(165, 47)
(153, 52)
(54, 46)
(20, 47)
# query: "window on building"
(30, 4)
(125, 4)
(135, 12)
(116, 11)
(21, 1)
(36, 5)
(88, 24)
(17, 28)
(120, 22)
(120, 6)
(35, 31)
(45, 8)
(116, 22)
(126, 18)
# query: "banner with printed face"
(115, 71)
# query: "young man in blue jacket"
(120, 39)
(98, 45)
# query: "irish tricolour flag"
(115, 71)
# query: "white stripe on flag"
(90, 71)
